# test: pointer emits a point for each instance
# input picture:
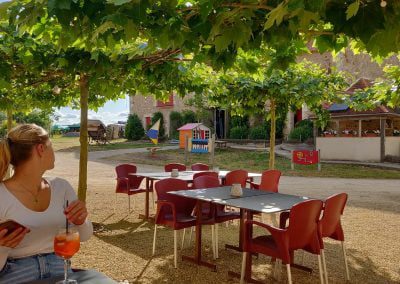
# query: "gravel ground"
(121, 246)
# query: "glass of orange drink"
(66, 244)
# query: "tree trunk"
(83, 137)
(9, 119)
(272, 136)
(9, 172)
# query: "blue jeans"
(40, 266)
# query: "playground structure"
(196, 131)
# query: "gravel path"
(121, 248)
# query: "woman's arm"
(77, 214)
(7, 242)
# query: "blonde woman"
(35, 202)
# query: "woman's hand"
(13, 239)
(76, 212)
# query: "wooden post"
(359, 128)
(291, 160)
(186, 149)
(382, 130)
(315, 133)
(319, 160)
(212, 156)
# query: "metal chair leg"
(176, 248)
(191, 234)
(243, 267)
(213, 240)
(289, 273)
(183, 238)
(345, 262)
(216, 241)
(324, 265)
(154, 239)
(129, 204)
(321, 276)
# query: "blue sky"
(110, 113)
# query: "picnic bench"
(220, 144)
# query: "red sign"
(305, 157)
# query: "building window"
(168, 103)
(147, 121)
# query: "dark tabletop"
(217, 193)
(267, 203)
(83, 277)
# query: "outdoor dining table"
(215, 195)
(269, 203)
(83, 277)
(183, 175)
(251, 201)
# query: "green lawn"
(70, 144)
(258, 161)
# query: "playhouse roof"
(190, 126)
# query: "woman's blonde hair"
(17, 146)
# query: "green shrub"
(301, 133)
(161, 133)
(239, 132)
(241, 121)
(259, 132)
(134, 129)
(305, 123)
(175, 120)
(188, 116)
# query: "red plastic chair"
(200, 167)
(302, 233)
(220, 215)
(331, 227)
(171, 166)
(236, 176)
(210, 174)
(126, 183)
(173, 211)
(269, 181)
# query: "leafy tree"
(188, 116)
(159, 116)
(39, 117)
(175, 121)
(134, 129)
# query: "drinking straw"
(66, 220)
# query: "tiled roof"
(189, 126)
(360, 84)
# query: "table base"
(200, 262)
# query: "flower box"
(329, 135)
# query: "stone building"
(354, 65)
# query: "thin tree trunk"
(9, 172)
(83, 137)
(272, 136)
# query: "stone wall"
(145, 106)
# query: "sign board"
(306, 157)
